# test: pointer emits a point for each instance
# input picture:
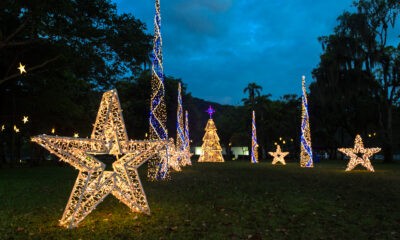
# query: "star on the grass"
(25, 119)
(93, 183)
(278, 155)
(21, 68)
(359, 155)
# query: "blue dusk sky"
(217, 47)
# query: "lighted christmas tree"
(157, 170)
(180, 134)
(305, 139)
(186, 160)
(211, 150)
(254, 143)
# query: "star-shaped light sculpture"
(210, 111)
(359, 155)
(25, 119)
(278, 155)
(94, 183)
(21, 68)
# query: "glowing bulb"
(275, 143)
(3, 127)
(76, 135)
(16, 129)
(284, 142)
(280, 138)
(53, 130)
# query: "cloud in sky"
(217, 47)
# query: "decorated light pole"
(187, 160)
(158, 113)
(254, 143)
(180, 134)
(306, 155)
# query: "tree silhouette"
(253, 90)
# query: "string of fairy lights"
(359, 155)
(254, 143)
(211, 150)
(180, 134)
(94, 183)
(306, 155)
(278, 155)
(186, 160)
(158, 114)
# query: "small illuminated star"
(76, 135)
(210, 111)
(278, 155)
(53, 130)
(3, 127)
(25, 119)
(21, 68)
(16, 129)
(359, 155)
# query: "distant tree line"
(75, 50)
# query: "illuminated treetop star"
(25, 119)
(94, 183)
(21, 68)
(359, 155)
(210, 111)
(278, 155)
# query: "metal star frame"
(93, 183)
(278, 155)
(359, 155)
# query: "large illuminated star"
(278, 155)
(94, 183)
(359, 155)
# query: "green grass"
(233, 200)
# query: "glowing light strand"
(93, 183)
(158, 115)
(306, 156)
(211, 149)
(254, 143)
(359, 155)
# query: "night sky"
(218, 46)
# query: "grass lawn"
(232, 200)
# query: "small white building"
(236, 151)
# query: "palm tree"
(253, 90)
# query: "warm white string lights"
(278, 155)
(93, 183)
(359, 155)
